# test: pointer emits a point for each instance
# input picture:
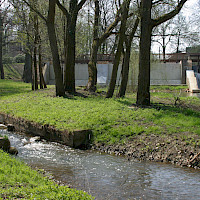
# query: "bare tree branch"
(35, 10)
(64, 10)
(164, 18)
(80, 5)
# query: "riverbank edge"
(20, 181)
(75, 139)
(174, 149)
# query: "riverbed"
(108, 177)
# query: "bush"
(7, 60)
(20, 58)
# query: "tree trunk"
(40, 64)
(119, 50)
(97, 41)
(71, 16)
(70, 57)
(125, 67)
(92, 68)
(42, 81)
(27, 74)
(1, 47)
(54, 49)
(143, 94)
(125, 72)
(35, 68)
(164, 46)
(71, 47)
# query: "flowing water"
(109, 177)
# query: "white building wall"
(161, 74)
(166, 74)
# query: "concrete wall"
(161, 74)
(81, 74)
(166, 74)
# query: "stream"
(108, 177)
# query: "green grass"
(10, 88)
(18, 181)
(112, 120)
(11, 72)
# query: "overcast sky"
(189, 9)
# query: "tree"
(50, 23)
(147, 25)
(1, 43)
(164, 36)
(23, 24)
(92, 69)
(71, 18)
(126, 60)
(98, 39)
(3, 13)
(36, 37)
(122, 37)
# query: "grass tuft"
(18, 181)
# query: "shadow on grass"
(171, 109)
(8, 88)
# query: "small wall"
(75, 139)
(161, 74)
(166, 74)
(81, 74)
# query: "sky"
(189, 7)
(188, 11)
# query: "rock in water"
(4, 144)
(13, 151)
(35, 139)
(10, 127)
(2, 126)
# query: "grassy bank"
(13, 71)
(18, 181)
(112, 120)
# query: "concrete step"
(192, 81)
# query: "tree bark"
(147, 24)
(125, 67)
(54, 48)
(143, 94)
(92, 68)
(35, 67)
(70, 56)
(71, 16)
(119, 49)
(36, 32)
(27, 74)
(40, 64)
(1, 47)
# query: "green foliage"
(20, 58)
(112, 120)
(18, 181)
(7, 60)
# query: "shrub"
(7, 60)
(20, 58)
